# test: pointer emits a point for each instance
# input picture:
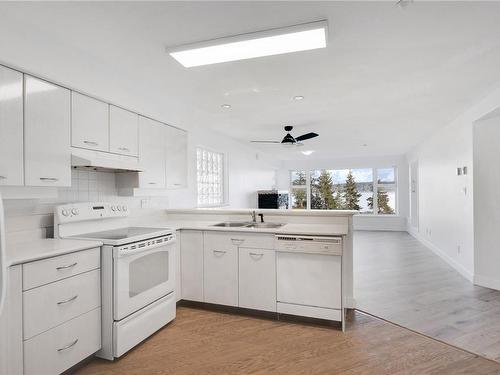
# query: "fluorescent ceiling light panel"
(248, 46)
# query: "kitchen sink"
(233, 224)
(266, 225)
(246, 224)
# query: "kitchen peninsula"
(291, 262)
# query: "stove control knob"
(65, 212)
(119, 208)
(113, 208)
(75, 211)
(124, 208)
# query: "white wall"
(446, 219)
(248, 170)
(487, 202)
(361, 222)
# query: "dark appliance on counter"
(277, 199)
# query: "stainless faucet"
(254, 217)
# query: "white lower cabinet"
(192, 265)
(58, 349)
(257, 279)
(59, 319)
(220, 269)
(50, 305)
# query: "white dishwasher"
(309, 276)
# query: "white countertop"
(272, 212)
(289, 228)
(29, 251)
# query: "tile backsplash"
(89, 186)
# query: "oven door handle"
(118, 253)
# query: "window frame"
(376, 185)
(224, 178)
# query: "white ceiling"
(389, 77)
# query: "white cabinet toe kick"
(293, 275)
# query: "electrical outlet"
(145, 203)
(458, 250)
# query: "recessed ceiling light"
(298, 97)
(308, 152)
(302, 37)
(226, 106)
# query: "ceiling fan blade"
(303, 137)
(265, 141)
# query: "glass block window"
(210, 177)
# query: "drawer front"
(50, 305)
(239, 239)
(64, 346)
(52, 269)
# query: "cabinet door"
(11, 127)
(220, 269)
(192, 265)
(47, 134)
(257, 279)
(123, 131)
(176, 158)
(89, 123)
(151, 153)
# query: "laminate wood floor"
(400, 280)
(206, 342)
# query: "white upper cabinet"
(11, 127)
(151, 153)
(47, 124)
(89, 123)
(177, 164)
(123, 131)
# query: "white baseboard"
(436, 250)
(487, 282)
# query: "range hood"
(103, 161)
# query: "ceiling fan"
(289, 140)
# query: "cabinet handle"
(259, 255)
(68, 346)
(65, 267)
(49, 179)
(177, 184)
(152, 183)
(237, 241)
(67, 300)
(91, 143)
(123, 149)
(219, 252)
(3, 178)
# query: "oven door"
(140, 278)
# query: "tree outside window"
(346, 189)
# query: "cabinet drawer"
(239, 239)
(257, 279)
(50, 305)
(60, 348)
(48, 270)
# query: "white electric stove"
(137, 271)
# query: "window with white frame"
(210, 177)
(345, 189)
